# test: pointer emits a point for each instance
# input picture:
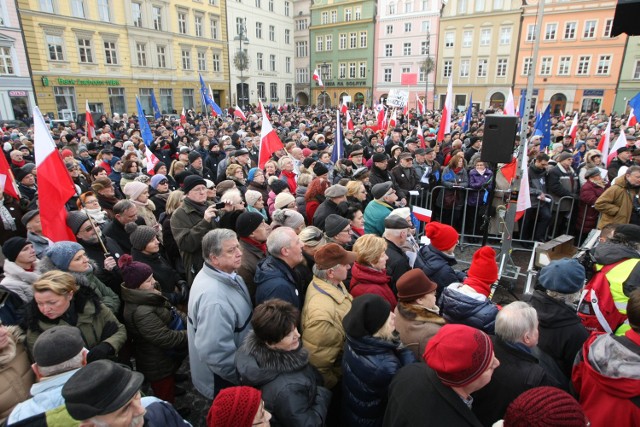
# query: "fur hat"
(319, 169)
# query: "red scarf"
(291, 181)
(19, 164)
(256, 244)
(358, 231)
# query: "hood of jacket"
(553, 313)
(369, 345)
(142, 297)
(610, 253)
(78, 306)
(459, 304)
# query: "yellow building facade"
(107, 52)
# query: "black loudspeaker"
(499, 138)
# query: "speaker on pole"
(499, 138)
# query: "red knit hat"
(234, 407)
(459, 354)
(483, 271)
(442, 236)
(545, 406)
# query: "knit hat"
(252, 174)
(332, 254)
(13, 246)
(61, 253)
(545, 406)
(287, 218)
(379, 190)
(100, 388)
(414, 284)
(379, 157)
(248, 222)
(565, 276)
(101, 183)
(252, 196)
(224, 186)
(192, 181)
(306, 152)
(459, 354)
(234, 407)
(75, 219)
(134, 189)
(193, 156)
(278, 186)
(27, 217)
(283, 200)
(628, 232)
(20, 173)
(134, 273)
(57, 345)
(308, 161)
(157, 167)
(369, 312)
(319, 169)
(483, 271)
(334, 224)
(442, 236)
(66, 152)
(155, 180)
(563, 156)
(139, 235)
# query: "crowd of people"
(299, 292)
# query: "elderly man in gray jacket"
(219, 314)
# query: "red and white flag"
(344, 108)
(393, 120)
(213, 112)
(238, 113)
(362, 113)
(420, 105)
(605, 140)
(573, 130)
(422, 214)
(55, 186)
(152, 160)
(7, 180)
(405, 110)
(509, 106)
(382, 116)
(620, 142)
(316, 77)
(269, 140)
(445, 120)
(524, 201)
(90, 126)
(349, 121)
(561, 116)
(632, 118)
(183, 117)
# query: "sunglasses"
(164, 181)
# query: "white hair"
(515, 320)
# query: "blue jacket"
(368, 366)
(374, 215)
(458, 307)
(438, 267)
(274, 279)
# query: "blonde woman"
(369, 272)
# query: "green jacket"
(374, 215)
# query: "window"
(467, 38)
(55, 46)
(261, 92)
(161, 53)
(425, 5)
(408, 7)
(270, 5)
(447, 68)
(213, 2)
(65, 100)
(272, 62)
(77, 8)
(301, 24)
(465, 65)
(589, 29)
(272, 33)
(526, 66)
(85, 53)
(388, 49)
(358, 13)
(636, 70)
(347, 14)
(607, 28)
(258, 30)
(498, 4)
(259, 62)
(239, 26)
(449, 38)
(214, 28)
(104, 10)
(352, 70)
(550, 31)
(273, 90)
(483, 64)
(564, 65)
(324, 18)
(584, 62)
(117, 101)
(426, 26)
(136, 14)
(342, 40)
(604, 65)
(462, 6)
(110, 53)
(353, 41)
(545, 65)
(302, 75)
(182, 22)
(187, 99)
(342, 70)
(363, 39)
(407, 27)
(157, 18)
(531, 32)
(392, 9)
(287, 65)
(328, 42)
(145, 99)
(166, 100)
(202, 61)
(334, 16)
(505, 36)
(406, 49)
(328, 72)
(570, 31)
(6, 62)
(288, 92)
(141, 53)
(501, 70)
(387, 75)
(186, 60)
(302, 49)
(479, 5)
(319, 43)
(287, 36)
(197, 26)
(258, 4)
(216, 62)
(362, 73)
(485, 37)
(287, 8)
(389, 29)
(46, 6)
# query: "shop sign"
(593, 92)
(88, 82)
(17, 93)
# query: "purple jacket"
(476, 181)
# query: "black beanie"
(369, 312)
(278, 186)
(140, 235)
(192, 181)
(308, 161)
(334, 224)
(193, 156)
(319, 169)
(247, 223)
(12, 247)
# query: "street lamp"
(241, 60)
(324, 70)
(427, 66)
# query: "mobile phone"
(220, 205)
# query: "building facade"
(302, 20)
(629, 81)
(342, 38)
(406, 35)
(108, 52)
(16, 92)
(478, 46)
(578, 62)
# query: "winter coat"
(438, 266)
(479, 183)
(562, 183)
(310, 210)
(275, 279)
(115, 230)
(374, 215)
(301, 204)
(377, 176)
(95, 253)
(251, 255)
(587, 214)
(416, 325)
(397, 264)
(453, 183)
(406, 179)
(291, 388)
(18, 280)
(16, 211)
(610, 253)
(147, 316)
(16, 376)
(40, 243)
(616, 203)
(323, 335)
(537, 184)
(560, 329)
(96, 322)
(606, 379)
(213, 160)
(160, 202)
(368, 366)
(614, 167)
(325, 209)
(12, 309)
(461, 304)
(418, 398)
(168, 278)
(366, 280)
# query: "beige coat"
(325, 305)
(616, 203)
(416, 326)
(16, 376)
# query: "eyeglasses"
(163, 182)
(348, 230)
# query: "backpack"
(596, 308)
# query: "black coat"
(274, 279)
(397, 264)
(94, 251)
(457, 307)
(115, 230)
(378, 176)
(418, 398)
(325, 209)
(438, 267)
(168, 278)
(406, 179)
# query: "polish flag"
(269, 141)
(445, 120)
(382, 116)
(91, 127)
(405, 110)
(420, 105)
(605, 140)
(620, 142)
(421, 138)
(344, 108)
(316, 77)
(152, 161)
(362, 113)
(349, 121)
(573, 130)
(55, 186)
(632, 119)
(238, 113)
(561, 116)
(509, 106)
(7, 180)
(524, 201)
(421, 214)
(183, 117)
(393, 120)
